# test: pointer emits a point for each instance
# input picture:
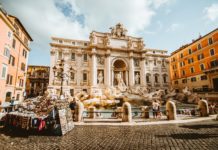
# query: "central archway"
(119, 66)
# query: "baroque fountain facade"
(107, 67)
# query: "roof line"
(186, 45)
(22, 27)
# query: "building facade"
(195, 65)
(107, 60)
(37, 80)
(14, 51)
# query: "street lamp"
(60, 73)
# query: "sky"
(163, 24)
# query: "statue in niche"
(100, 60)
(100, 78)
(121, 85)
(137, 78)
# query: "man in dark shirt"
(73, 107)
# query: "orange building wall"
(5, 27)
(15, 89)
(205, 50)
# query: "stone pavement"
(193, 136)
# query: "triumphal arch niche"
(111, 60)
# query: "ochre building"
(14, 52)
(37, 80)
(107, 60)
(195, 65)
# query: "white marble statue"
(137, 78)
(121, 85)
(100, 78)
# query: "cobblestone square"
(199, 135)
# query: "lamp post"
(59, 72)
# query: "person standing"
(155, 106)
(73, 108)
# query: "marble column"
(94, 68)
(131, 72)
(142, 72)
(107, 74)
(126, 74)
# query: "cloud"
(173, 27)
(77, 18)
(211, 12)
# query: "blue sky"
(163, 24)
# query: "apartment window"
(154, 52)
(21, 83)
(147, 78)
(85, 90)
(183, 72)
(184, 80)
(146, 62)
(190, 60)
(182, 63)
(23, 66)
(73, 56)
(199, 46)
(85, 44)
(181, 55)
(175, 74)
(172, 59)
(4, 71)
(156, 78)
(165, 78)
(210, 41)
(212, 52)
(59, 55)
(9, 35)
(192, 69)
(24, 53)
(12, 60)
(204, 77)
(9, 79)
(155, 62)
(6, 52)
(60, 41)
(193, 79)
(14, 43)
(201, 56)
(73, 43)
(214, 63)
(190, 51)
(72, 76)
(202, 66)
(72, 92)
(176, 82)
(84, 77)
(85, 57)
(18, 97)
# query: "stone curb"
(146, 123)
